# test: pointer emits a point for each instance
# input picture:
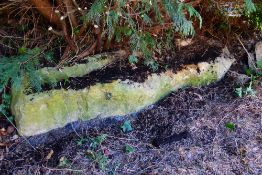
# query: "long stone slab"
(41, 112)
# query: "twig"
(71, 16)
(63, 169)
(248, 54)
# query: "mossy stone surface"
(42, 112)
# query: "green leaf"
(49, 56)
(248, 71)
(22, 50)
(127, 127)
(128, 149)
(99, 157)
(239, 92)
(230, 126)
(80, 141)
(250, 6)
(97, 141)
(101, 160)
(152, 64)
(250, 91)
(132, 59)
(129, 32)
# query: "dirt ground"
(208, 147)
(193, 131)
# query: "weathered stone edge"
(39, 113)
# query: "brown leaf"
(49, 155)
(3, 132)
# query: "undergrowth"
(255, 77)
(255, 17)
(119, 20)
(17, 70)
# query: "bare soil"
(208, 148)
(184, 133)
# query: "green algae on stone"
(78, 70)
(42, 112)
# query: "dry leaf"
(3, 132)
(49, 155)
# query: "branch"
(70, 13)
(45, 8)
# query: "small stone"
(15, 137)
(258, 51)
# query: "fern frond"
(250, 6)
(96, 11)
(16, 67)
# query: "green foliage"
(4, 107)
(176, 11)
(127, 127)
(244, 91)
(239, 91)
(63, 162)
(249, 6)
(98, 157)
(81, 141)
(254, 14)
(230, 126)
(14, 68)
(97, 141)
(95, 152)
(96, 11)
(128, 149)
(132, 59)
(121, 19)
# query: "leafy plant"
(259, 64)
(254, 14)
(244, 91)
(99, 157)
(14, 69)
(95, 152)
(63, 162)
(230, 126)
(127, 127)
(97, 141)
(249, 6)
(239, 91)
(81, 141)
(117, 21)
(128, 149)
